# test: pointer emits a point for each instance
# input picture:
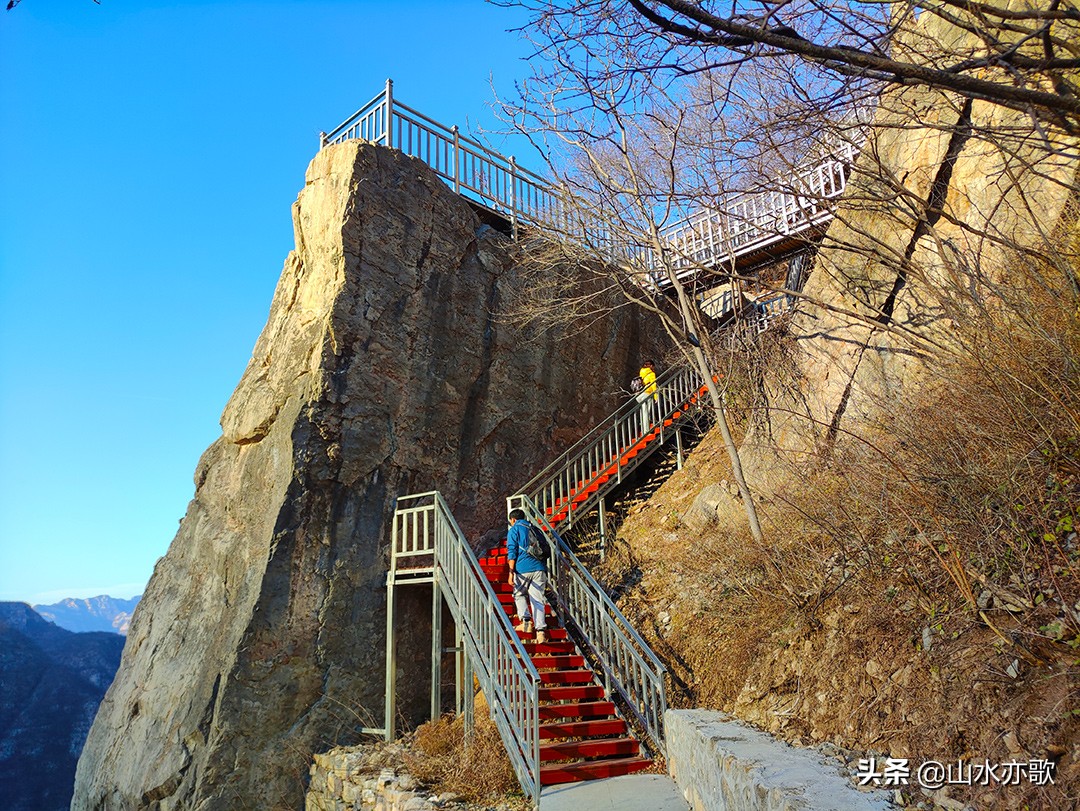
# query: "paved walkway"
(632, 792)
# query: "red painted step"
(553, 774)
(510, 608)
(554, 634)
(601, 747)
(578, 709)
(572, 661)
(551, 647)
(566, 677)
(572, 693)
(583, 729)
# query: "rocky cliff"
(384, 369)
(947, 200)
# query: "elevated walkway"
(775, 220)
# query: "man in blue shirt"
(528, 577)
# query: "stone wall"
(354, 778)
(723, 765)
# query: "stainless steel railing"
(424, 526)
(573, 483)
(751, 221)
(755, 220)
(628, 665)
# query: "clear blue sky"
(150, 155)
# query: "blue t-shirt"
(517, 542)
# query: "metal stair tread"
(590, 748)
(555, 773)
(578, 709)
(592, 727)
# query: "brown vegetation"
(476, 771)
(919, 594)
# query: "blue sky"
(150, 155)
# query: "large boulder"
(385, 368)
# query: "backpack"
(636, 385)
(538, 548)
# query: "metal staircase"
(577, 481)
(590, 701)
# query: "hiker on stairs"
(647, 395)
(528, 577)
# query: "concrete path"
(632, 792)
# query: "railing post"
(389, 112)
(390, 699)
(513, 197)
(436, 646)
(322, 141)
(457, 159)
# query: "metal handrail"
(629, 666)
(755, 219)
(424, 525)
(751, 221)
(613, 448)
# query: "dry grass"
(478, 772)
(953, 519)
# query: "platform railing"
(748, 222)
(628, 665)
(423, 526)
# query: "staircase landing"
(634, 792)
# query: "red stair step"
(510, 608)
(590, 770)
(566, 677)
(582, 729)
(600, 747)
(576, 692)
(578, 709)
(572, 661)
(553, 635)
(552, 646)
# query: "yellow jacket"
(648, 378)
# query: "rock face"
(947, 197)
(51, 682)
(385, 368)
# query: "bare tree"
(1023, 60)
(625, 175)
(645, 112)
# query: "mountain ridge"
(100, 613)
(53, 682)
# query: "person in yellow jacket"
(647, 395)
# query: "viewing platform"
(754, 227)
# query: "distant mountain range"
(51, 683)
(94, 614)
